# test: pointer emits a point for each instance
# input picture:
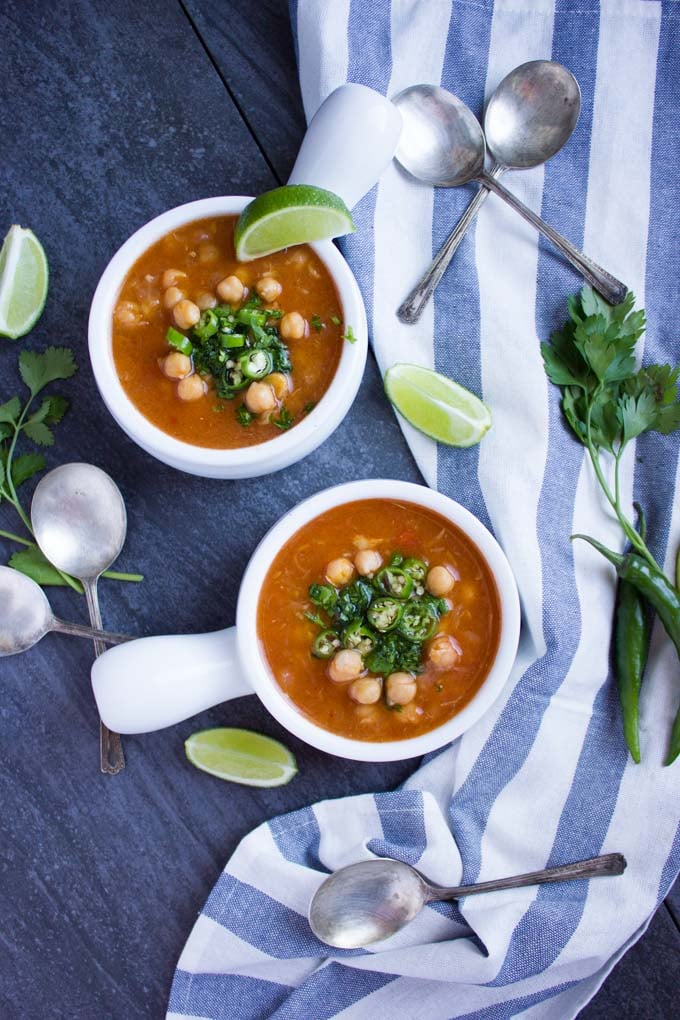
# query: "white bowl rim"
(257, 670)
(283, 449)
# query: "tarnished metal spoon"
(442, 143)
(26, 616)
(529, 118)
(79, 521)
(369, 901)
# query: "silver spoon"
(442, 143)
(79, 521)
(26, 616)
(529, 118)
(367, 902)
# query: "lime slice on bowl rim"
(24, 279)
(241, 756)
(292, 214)
(436, 405)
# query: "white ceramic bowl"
(156, 682)
(247, 462)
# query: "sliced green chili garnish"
(394, 581)
(255, 364)
(418, 621)
(359, 637)
(417, 569)
(325, 644)
(384, 614)
(179, 341)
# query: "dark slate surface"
(102, 878)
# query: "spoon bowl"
(26, 616)
(79, 519)
(441, 141)
(531, 114)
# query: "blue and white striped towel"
(544, 777)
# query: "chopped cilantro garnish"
(308, 408)
(284, 420)
(335, 320)
(243, 415)
(349, 335)
(316, 322)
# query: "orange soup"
(379, 620)
(224, 354)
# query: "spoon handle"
(111, 757)
(611, 289)
(412, 307)
(595, 867)
(78, 630)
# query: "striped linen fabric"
(544, 778)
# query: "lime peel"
(292, 214)
(24, 280)
(241, 756)
(436, 405)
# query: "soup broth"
(185, 273)
(361, 535)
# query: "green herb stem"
(114, 575)
(15, 538)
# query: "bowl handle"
(350, 140)
(154, 682)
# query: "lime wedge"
(241, 756)
(436, 405)
(24, 277)
(293, 214)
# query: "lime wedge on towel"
(436, 405)
(293, 214)
(241, 756)
(24, 278)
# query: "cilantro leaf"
(37, 370)
(26, 466)
(31, 562)
(636, 414)
(10, 411)
(39, 433)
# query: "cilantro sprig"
(35, 422)
(607, 400)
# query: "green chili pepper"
(230, 341)
(255, 364)
(631, 643)
(395, 582)
(417, 569)
(418, 621)
(655, 587)
(251, 317)
(179, 341)
(384, 614)
(359, 637)
(325, 644)
(233, 378)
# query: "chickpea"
(231, 290)
(191, 388)
(176, 365)
(172, 297)
(367, 561)
(260, 397)
(127, 313)
(171, 278)
(206, 300)
(208, 252)
(345, 665)
(365, 690)
(340, 571)
(400, 688)
(440, 581)
(444, 652)
(292, 326)
(268, 288)
(280, 383)
(186, 314)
